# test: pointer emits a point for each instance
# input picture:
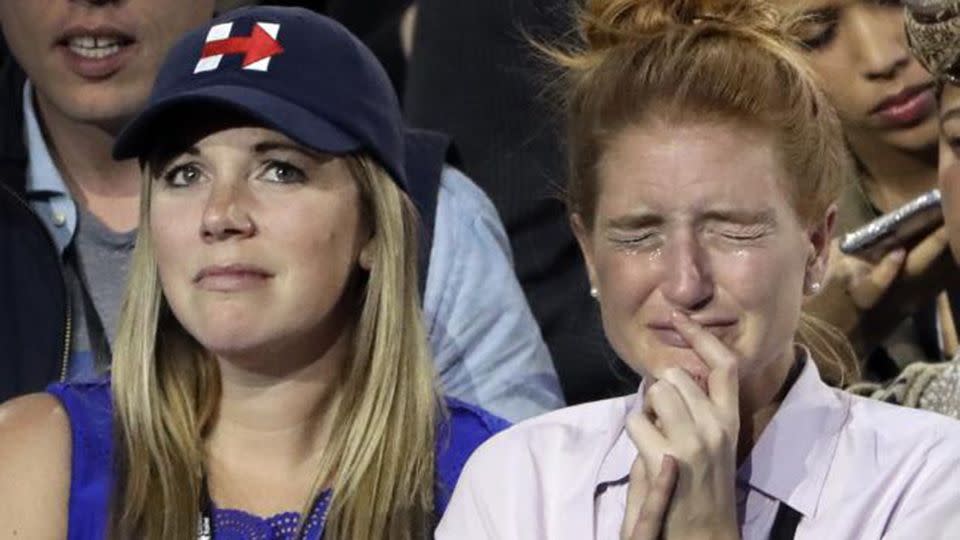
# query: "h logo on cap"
(257, 49)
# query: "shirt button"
(59, 219)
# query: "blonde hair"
(708, 60)
(379, 462)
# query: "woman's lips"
(668, 335)
(231, 278)
(908, 108)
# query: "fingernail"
(899, 255)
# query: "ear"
(820, 235)
(585, 241)
(365, 259)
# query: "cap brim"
(298, 123)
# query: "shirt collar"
(791, 460)
(42, 173)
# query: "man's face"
(95, 61)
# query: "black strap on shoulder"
(426, 152)
(785, 524)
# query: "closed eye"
(632, 241)
(738, 233)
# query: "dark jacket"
(34, 329)
(475, 76)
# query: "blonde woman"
(705, 166)
(271, 376)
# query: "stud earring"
(815, 287)
(594, 292)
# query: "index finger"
(723, 383)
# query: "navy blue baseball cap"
(296, 71)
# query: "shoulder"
(35, 454)
(32, 418)
(464, 428)
(568, 433)
(545, 450)
(461, 195)
(85, 395)
(903, 433)
(465, 417)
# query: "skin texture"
(682, 227)
(34, 31)
(862, 57)
(950, 164)
(251, 196)
(701, 266)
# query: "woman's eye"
(735, 235)
(741, 237)
(283, 173)
(819, 28)
(954, 143)
(634, 241)
(182, 175)
(821, 35)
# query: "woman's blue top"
(90, 409)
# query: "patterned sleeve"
(928, 386)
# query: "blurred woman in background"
(896, 310)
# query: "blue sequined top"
(90, 410)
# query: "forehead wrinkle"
(655, 165)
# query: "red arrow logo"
(258, 46)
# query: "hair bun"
(609, 23)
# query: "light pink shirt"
(854, 468)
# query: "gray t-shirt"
(99, 259)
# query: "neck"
(270, 428)
(894, 176)
(82, 152)
(761, 394)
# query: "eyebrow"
(826, 14)
(264, 147)
(640, 220)
(742, 217)
(636, 220)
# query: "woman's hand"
(867, 301)
(681, 422)
(647, 504)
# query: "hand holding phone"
(902, 227)
(867, 300)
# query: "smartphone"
(899, 228)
